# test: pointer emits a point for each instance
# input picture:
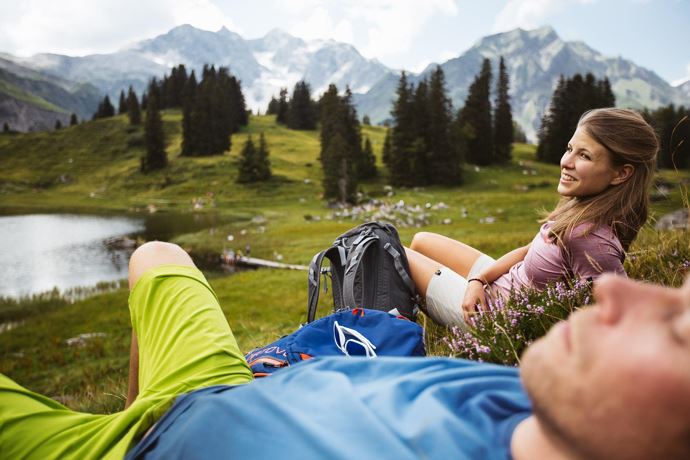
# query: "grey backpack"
(369, 269)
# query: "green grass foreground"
(94, 168)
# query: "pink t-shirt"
(590, 255)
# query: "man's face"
(614, 380)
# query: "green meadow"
(94, 168)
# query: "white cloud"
(393, 25)
(379, 28)
(319, 24)
(526, 14)
(529, 14)
(77, 27)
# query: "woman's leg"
(448, 252)
(440, 267)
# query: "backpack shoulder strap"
(336, 254)
(354, 260)
(397, 261)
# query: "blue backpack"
(357, 332)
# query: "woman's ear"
(623, 173)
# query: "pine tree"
(272, 106)
(518, 133)
(263, 163)
(366, 121)
(503, 119)
(417, 153)
(367, 169)
(5, 127)
(673, 129)
(247, 166)
(188, 99)
(474, 119)
(386, 153)
(105, 109)
(570, 100)
(155, 156)
(443, 163)
(403, 134)
(340, 154)
(122, 105)
(301, 112)
(133, 110)
(283, 107)
(58, 124)
(73, 120)
(254, 164)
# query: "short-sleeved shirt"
(591, 252)
(345, 408)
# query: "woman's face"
(586, 167)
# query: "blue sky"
(405, 34)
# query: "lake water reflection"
(42, 251)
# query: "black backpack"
(369, 269)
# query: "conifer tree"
(5, 127)
(474, 119)
(247, 168)
(105, 109)
(386, 153)
(73, 120)
(263, 162)
(254, 164)
(301, 111)
(155, 156)
(417, 153)
(58, 124)
(189, 136)
(572, 97)
(340, 146)
(503, 118)
(133, 110)
(403, 134)
(366, 121)
(272, 106)
(283, 107)
(367, 166)
(673, 128)
(122, 105)
(518, 133)
(443, 163)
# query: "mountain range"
(535, 60)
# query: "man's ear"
(624, 173)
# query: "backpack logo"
(351, 342)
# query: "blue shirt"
(350, 408)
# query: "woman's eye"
(584, 156)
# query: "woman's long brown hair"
(629, 139)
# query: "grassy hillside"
(93, 167)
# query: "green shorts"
(185, 343)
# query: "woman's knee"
(153, 254)
(422, 240)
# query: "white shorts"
(447, 289)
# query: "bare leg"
(422, 268)
(148, 256)
(453, 254)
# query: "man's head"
(614, 380)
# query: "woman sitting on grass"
(606, 173)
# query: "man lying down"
(612, 382)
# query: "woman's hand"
(474, 294)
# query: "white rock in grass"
(81, 339)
